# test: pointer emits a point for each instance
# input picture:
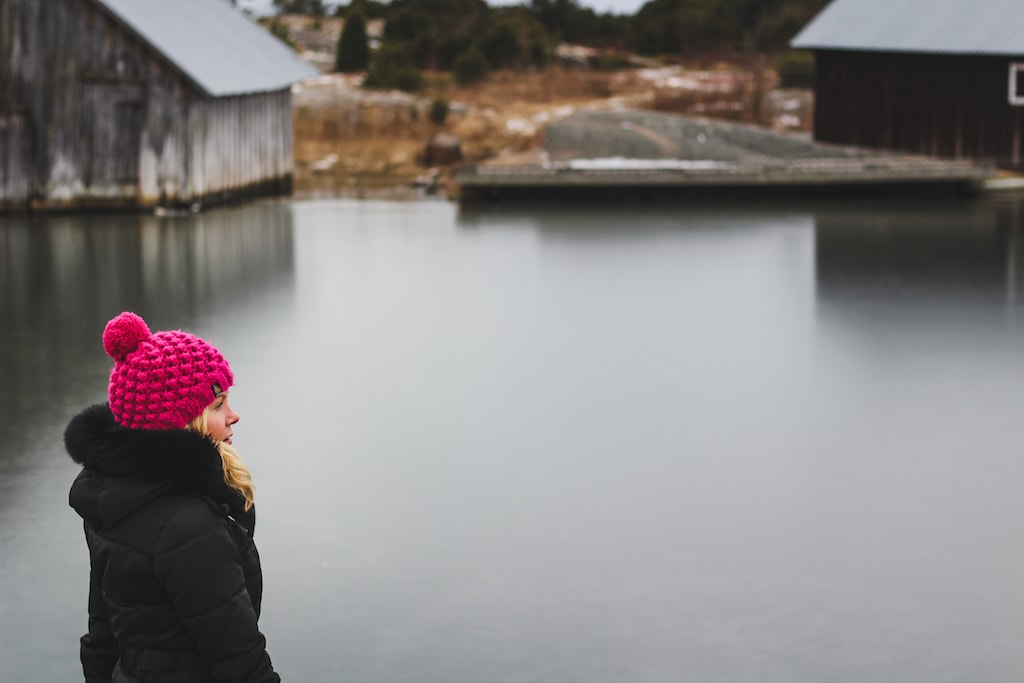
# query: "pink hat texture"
(163, 380)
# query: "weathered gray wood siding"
(941, 105)
(81, 86)
(90, 115)
(15, 158)
(17, 135)
(240, 145)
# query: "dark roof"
(212, 44)
(978, 27)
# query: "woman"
(175, 581)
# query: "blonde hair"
(236, 474)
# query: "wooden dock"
(620, 152)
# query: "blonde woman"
(175, 580)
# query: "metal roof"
(977, 27)
(213, 44)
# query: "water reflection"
(895, 253)
(59, 274)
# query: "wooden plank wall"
(240, 142)
(15, 157)
(110, 140)
(82, 83)
(16, 123)
(940, 105)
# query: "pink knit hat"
(162, 380)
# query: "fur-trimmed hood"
(124, 469)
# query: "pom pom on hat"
(123, 335)
(161, 380)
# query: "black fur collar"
(185, 460)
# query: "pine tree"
(353, 46)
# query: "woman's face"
(221, 419)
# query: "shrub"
(438, 111)
(538, 55)
(393, 66)
(415, 27)
(353, 45)
(796, 69)
(611, 61)
(500, 46)
(470, 67)
(451, 47)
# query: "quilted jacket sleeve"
(198, 562)
(98, 646)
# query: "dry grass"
(379, 139)
(551, 86)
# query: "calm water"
(674, 444)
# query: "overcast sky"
(617, 6)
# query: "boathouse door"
(16, 159)
(113, 115)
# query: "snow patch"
(518, 126)
(627, 164)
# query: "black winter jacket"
(175, 581)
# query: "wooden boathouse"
(943, 78)
(141, 103)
